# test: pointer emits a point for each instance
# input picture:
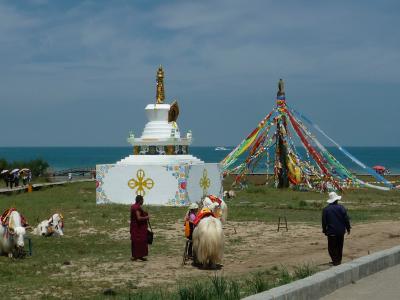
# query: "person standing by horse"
(189, 225)
(138, 230)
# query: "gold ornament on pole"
(281, 88)
(160, 96)
(173, 112)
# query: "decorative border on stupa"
(101, 196)
(181, 173)
(161, 150)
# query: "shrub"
(317, 204)
(284, 276)
(302, 203)
(304, 271)
(220, 286)
(38, 166)
(3, 164)
(256, 190)
(217, 287)
(258, 283)
(233, 292)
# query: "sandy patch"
(249, 246)
(87, 231)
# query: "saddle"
(205, 212)
(5, 218)
(215, 199)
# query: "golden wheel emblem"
(141, 183)
(205, 182)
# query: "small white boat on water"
(221, 149)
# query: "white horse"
(12, 236)
(208, 242)
(51, 227)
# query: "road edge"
(325, 282)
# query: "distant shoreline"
(355, 174)
(195, 146)
(62, 158)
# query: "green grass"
(267, 204)
(49, 273)
(219, 287)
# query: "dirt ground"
(249, 246)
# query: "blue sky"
(79, 73)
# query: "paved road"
(383, 285)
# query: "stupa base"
(173, 182)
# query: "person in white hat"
(335, 222)
(192, 212)
(189, 226)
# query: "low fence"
(38, 186)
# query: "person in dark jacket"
(335, 222)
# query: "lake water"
(72, 157)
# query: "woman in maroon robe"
(139, 220)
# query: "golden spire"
(281, 88)
(160, 96)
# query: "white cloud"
(215, 52)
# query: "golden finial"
(160, 96)
(281, 88)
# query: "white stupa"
(160, 168)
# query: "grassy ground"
(268, 203)
(219, 287)
(44, 274)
